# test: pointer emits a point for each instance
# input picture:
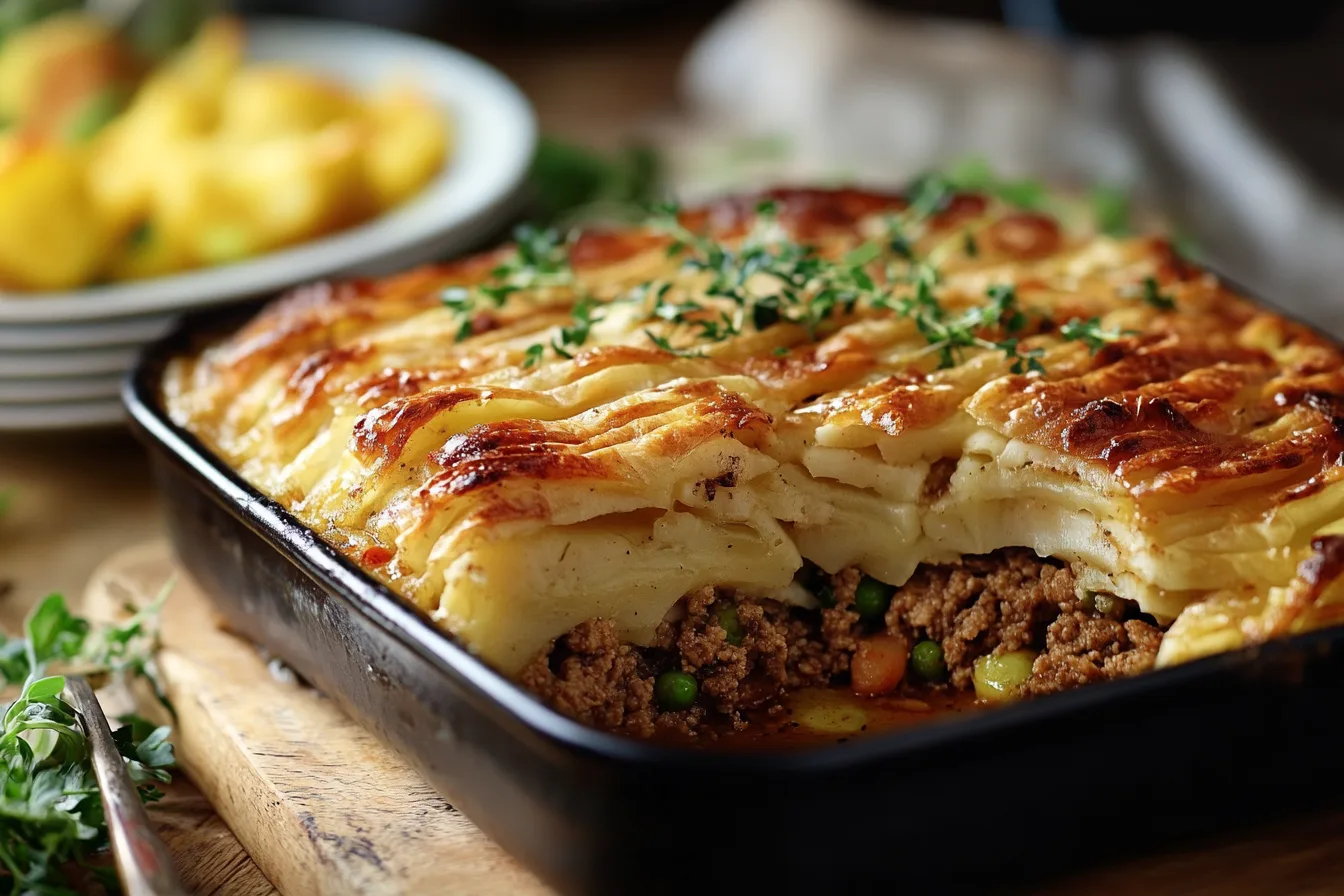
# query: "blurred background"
(132, 151)
(1226, 119)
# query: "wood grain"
(322, 807)
(209, 858)
(319, 804)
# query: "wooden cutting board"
(320, 805)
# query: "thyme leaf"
(767, 279)
(1091, 333)
(540, 260)
(1153, 295)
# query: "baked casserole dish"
(670, 477)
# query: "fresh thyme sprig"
(767, 279)
(1091, 333)
(540, 261)
(1153, 295)
(950, 337)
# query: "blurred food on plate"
(115, 167)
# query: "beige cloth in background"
(832, 90)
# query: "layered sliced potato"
(544, 435)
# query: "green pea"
(675, 690)
(728, 621)
(1109, 605)
(824, 593)
(872, 598)
(1089, 601)
(998, 677)
(927, 660)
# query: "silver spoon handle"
(143, 862)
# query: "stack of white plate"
(63, 355)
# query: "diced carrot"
(878, 664)
(377, 556)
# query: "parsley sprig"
(50, 814)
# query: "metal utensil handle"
(143, 862)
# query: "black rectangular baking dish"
(996, 799)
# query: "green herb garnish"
(534, 355)
(1110, 210)
(766, 279)
(540, 261)
(975, 175)
(1153, 295)
(571, 338)
(1091, 333)
(50, 813)
(952, 336)
(795, 285)
(571, 183)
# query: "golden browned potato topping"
(594, 426)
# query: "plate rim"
(53, 416)
(61, 364)
(56, 391)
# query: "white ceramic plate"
(70, 415)
(72, 388)
(46, 365)
(495, 136)
(127, 333)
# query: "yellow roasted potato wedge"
(225, 201)
(201, 160)
(264, 101)
(146, 252)
(31, 58)
(206, 64)
(51, 236)
(129, 155)
(409, 139)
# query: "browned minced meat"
(590, 676)
(1008, 600)
(1081, 647)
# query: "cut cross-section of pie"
(775, 442)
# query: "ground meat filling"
(1006, 601)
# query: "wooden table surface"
(80, 496)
